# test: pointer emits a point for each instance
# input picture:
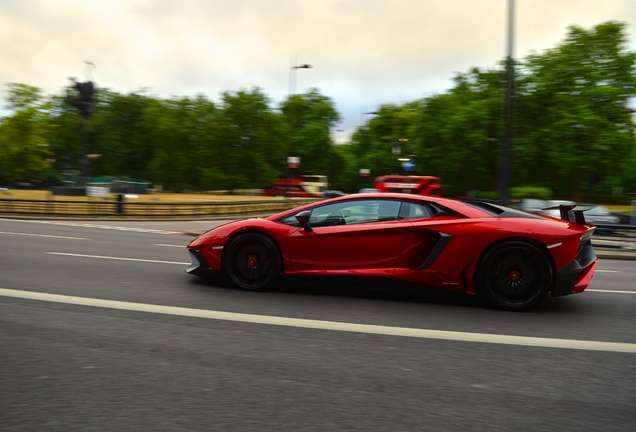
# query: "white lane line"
(169, 245)
(607, 271)
(611, 291)
(117, 258)
(42, 235)
(588, 345)
(90, 225)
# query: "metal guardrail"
(87, 208)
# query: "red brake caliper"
(252, 261)
(514, 275)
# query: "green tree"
(458, 132)
(178, 129)
(310, 118)
(120, 135)
(250, 140)
(572, 120)
(24, 143)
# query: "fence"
(103, 208)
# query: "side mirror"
(303, 219)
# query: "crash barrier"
(122, 208)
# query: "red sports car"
(511, 258)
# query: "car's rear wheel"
(253, 262)
(514, 275)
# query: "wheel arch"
(527, 240)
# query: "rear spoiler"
(576, 209)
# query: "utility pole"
(293, 70)
(505, 177)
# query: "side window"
(290, 220)
(350, 213)
(388, 210)
(329, 215)
(411, 210)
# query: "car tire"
(514, 275)
(253, 262)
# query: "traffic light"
(83, 102)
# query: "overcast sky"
(364, 53)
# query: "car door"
(351, 235)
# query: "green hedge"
(487, 195)
(531, 192)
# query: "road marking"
(117, 258)
(42, 235)
(611, 291)
(90, 225)
(607, 271)
(169, 245)
(587, 345)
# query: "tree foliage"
(572, 118)
(24, 136)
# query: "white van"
(315, 184)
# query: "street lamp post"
(292, 90)
(506, 148)
(363, 144)
(292, 77)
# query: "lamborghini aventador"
(509, 257)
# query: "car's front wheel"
(253, 262)
(514, 275)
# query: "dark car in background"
(601, 215)
(598, 215)
(555, 212)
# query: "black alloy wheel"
(514, 275)
(253, 262)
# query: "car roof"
(458, 206)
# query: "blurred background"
(205, 96)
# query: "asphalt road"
(101, 329)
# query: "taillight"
(587, 235)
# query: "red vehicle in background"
(289, 188)
(418, 185)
